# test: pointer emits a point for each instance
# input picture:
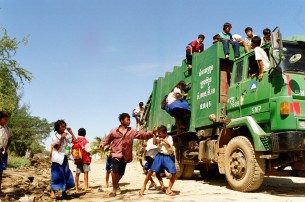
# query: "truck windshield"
(293, 58)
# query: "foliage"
(16, 162)
(95, 146)
(28, 132)
(12, 76)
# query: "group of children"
(251, 41)
(121, 141)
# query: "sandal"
(171, 193)
(112, 194)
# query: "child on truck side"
(227, 40)
(260, 56)
(177, 106)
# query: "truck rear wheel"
(188, 171)
(244, 170)
(179, 169)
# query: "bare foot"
(52, 194)
(161, 188)
(170, 193)
(152, 185)
(141, 193)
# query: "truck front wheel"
(244, 170)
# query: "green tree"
(29, 132)
(12, 76)
(95, 146)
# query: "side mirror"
(276, 39)
(277, 46)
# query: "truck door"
(233, 107)
(254, 95)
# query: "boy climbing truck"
(238, 126)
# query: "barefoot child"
(84, 167)
(151, 152)
(163, 160)
(61, 175)
(5, 140)
(121, 139)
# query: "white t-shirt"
(5, 134)
(260, 54)
(59, 155)
(248, 40)
(236, 37)
(138, 110)
(164, 148)
(173, 96)
(151, 149)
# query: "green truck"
(239, 126)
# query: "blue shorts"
(108, 163)
(162, 162)
(149, 162)
(3, 161)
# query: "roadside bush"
(16, 162)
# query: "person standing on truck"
(121, 139)
(249, 36)
(163, 160)
(260, 56)
(177, 106)
(194, 47)
(137, 113)
(267, 36)
(227, 40)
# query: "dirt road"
(32, 184)
(277, 189)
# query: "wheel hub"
(238, 164)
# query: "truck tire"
(179, 169)
(244, 170)
(188, 171)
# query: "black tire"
(244, 170)
(188, 171)
(180, 169)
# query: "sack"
(77, 153)
(164, 102)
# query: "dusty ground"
(19, 186)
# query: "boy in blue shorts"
(163, 160)
(108, 165)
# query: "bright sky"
(93, 60)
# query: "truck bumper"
(288, 140)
